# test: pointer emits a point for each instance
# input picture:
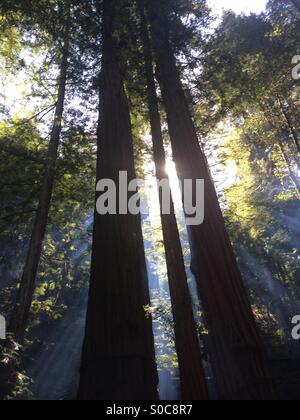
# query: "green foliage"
(247, 90)
(246, 107)
(64, 267)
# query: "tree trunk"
(193, 382)
(118, 361)
(20, 315)
(289, 165)
(235, 345)
(291, 130)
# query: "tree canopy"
(176, 85)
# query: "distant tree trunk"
(118, 361)
(235, 345)
(289, 165)
(193, 382)
(284, 299)
(291, 130)
(20, 315)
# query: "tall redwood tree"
(118, 361)
(235, 346)
(21, 311)
(193, 382)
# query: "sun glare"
(238, 6)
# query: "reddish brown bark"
(235, 345)
(193, 382)
(118, 361)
